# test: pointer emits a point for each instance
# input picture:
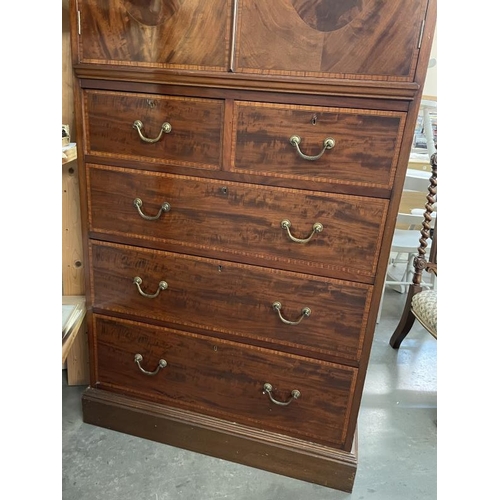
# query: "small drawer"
(226, 379)
(278, 309)
(317, 144)
(236, 221)
(182, 131)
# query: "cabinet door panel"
(364, 39)
(186, 34)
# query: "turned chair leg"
(405, 323)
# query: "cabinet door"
(181, 34)
(363, 39)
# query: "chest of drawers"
(242, 168)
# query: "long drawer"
(339, 235)
(185, 131)
(363, 148)
(226, 379)
(289, 311)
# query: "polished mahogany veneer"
(190, 129)
(226, 379)
(370, 39)
(240, 221)
(365, 151)
(242, 167)
(242, 295)
(175, 33)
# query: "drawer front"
(194, 140)
(226, 379)
(241, 222)
(168, 34)
(329, 316)
(365, 150)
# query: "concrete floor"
(397, 429)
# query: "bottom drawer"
(225, 379)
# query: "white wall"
(430, 86)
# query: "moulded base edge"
(264, 450)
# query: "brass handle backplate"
(162, 285)
(165, 128)
(161, 364)
(165, 207)
(317, 228)
(328, 143)
(306, 312)
(295, 394)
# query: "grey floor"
(397, 429)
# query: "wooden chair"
(422, 304)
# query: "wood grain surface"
(226, 379)
(240, 222)
(321, 38)
(195, 138)
(189, 34)
(242, 297)
(365, 153)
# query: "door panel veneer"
(325, 39)
(191, 34)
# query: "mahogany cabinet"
(241, 170)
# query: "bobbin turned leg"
(420, 263)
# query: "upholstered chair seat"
(424, 307)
